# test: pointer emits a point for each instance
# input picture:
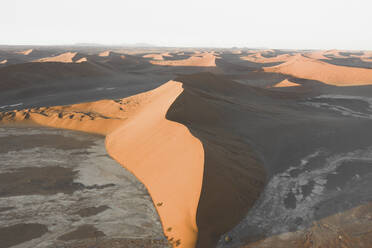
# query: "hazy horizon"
(286, 24)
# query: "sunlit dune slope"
(25, 52)
(307, 68)
(163, 154)
(258, 58)
(285, 83)
(62, 58)
(168, 159)
(200, 60)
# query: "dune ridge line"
(162, 154)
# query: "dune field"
(234, 147)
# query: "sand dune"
(171, 159)
(334, 53)
(81, 60)
(199, 59)
(163, 154)
(285, 83)
(154, 56)
(258, 58)
(316, 55)
(62, 58)
(366, 57)
(26, 52)
(104, 54)
(307, 68)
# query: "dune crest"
(62, 58)
(162, 154)
(26, 52)
(258, 58)
(198, 59)
(104, 54)
(285, 83)
(312, 69)
(157, 56)
(81, 60)
(316, 55)
(165, 156)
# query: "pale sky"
(316, 24)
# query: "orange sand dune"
(199, 59)
(236, 52)
(316, 55)
(334, 53)
(154, 56)
(307, 68)
(26, 52)
(366, 57)
(163, 154)
(258, 58)
(104, 54)
(285, 83)
(81, 60)
(3, 62)
(62, 58)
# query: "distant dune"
(81, 60)
(316, 55)
(26, 52)
(258, 58)
(104, 54)
(157, 56)
(154, 56)
(307, 68)
(199, 59)
(285, 83)
(334, 53)
(62, 58)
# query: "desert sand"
(154, 56)
(137, 125)
(319, 55)
(307, 68)
(157, 56)
(285, 83)
(81, 60)
(62, 58)
(104, 54)
(258, 58)
(25, 52)
(170, 159)
(234, 154)
(199, 60)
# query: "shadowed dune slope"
(307, 68)
(166, 157)
(163, 154)
(233, 176)
(28, 74)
